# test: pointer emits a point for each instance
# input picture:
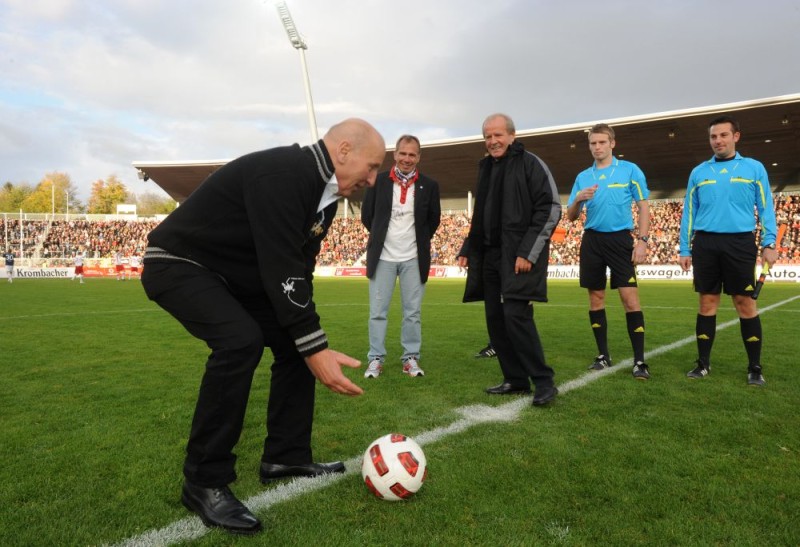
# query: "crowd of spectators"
(64, 238)
(787, 213)
(30, 234)
(346, 242)
(99, 239)
(449, 238)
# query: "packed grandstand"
(51, 242)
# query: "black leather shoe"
(507, 389)
(544, 395)
(276, 471)
(219, 507)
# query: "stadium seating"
(54, 242)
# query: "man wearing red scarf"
(401, 212)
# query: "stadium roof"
(666, 145)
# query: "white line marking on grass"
(191, 528)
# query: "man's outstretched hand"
(326, 366)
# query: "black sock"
(597, 318)
(705, 330)
(751, 336)
(635, 320)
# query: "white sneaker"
(374, 369)
(411, 367)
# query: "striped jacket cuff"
(312, 343)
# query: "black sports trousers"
(512, 330)
(236, 331)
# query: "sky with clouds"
(87, 86)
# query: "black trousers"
(236, 331)
(512, 330)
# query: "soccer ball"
(394, 467)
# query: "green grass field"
(99, 386)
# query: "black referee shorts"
(612, 250)
(724, 262)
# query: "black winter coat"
(531, 210)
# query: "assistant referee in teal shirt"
(607, 190)
(718, 238)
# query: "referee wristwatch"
(646, 239)
(770, 246)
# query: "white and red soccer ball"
(394, 467)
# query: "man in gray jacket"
(506, 251)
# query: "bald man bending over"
(233, 264)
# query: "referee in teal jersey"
(607, 191)
(718, 238)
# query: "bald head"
(357, 151)
(355, 131)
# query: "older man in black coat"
(516, 210)
(234, 265)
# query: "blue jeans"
(381, 288)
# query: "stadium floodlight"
(288, 23)
(300, 45)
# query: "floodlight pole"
(21, 237)
(300, 45)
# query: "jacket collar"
(516, 148)
(323, 160)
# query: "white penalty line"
(191, 528)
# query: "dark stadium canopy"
(665, 145)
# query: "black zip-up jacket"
(254, 221)
(531, 209)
